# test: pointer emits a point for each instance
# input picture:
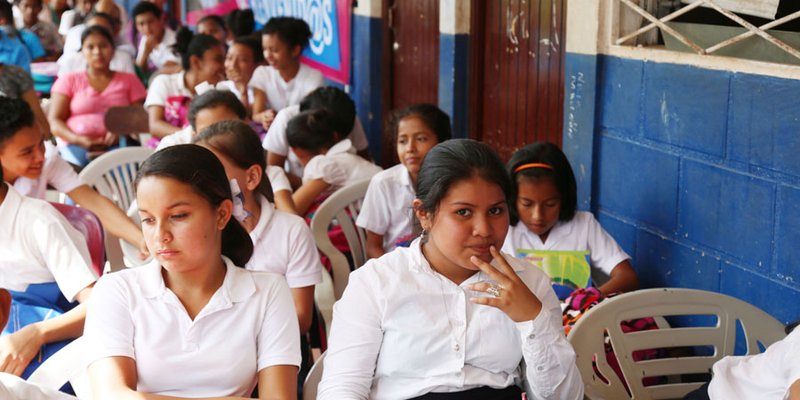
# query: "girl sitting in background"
(449, 317)
(81, 99)
(282, 242)
(193, 309)
(285, 81)
(327, 165)
(545, 216)
(169, 95)
(386, 213)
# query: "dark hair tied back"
(292, 31)
(199, 168)
(561, 175)
(188, 44)
(97, 30)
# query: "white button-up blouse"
(402, 330)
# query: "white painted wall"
(368, 8)
(454, 16)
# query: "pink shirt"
(87, 107)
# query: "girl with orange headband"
(545, 216)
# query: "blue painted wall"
(365, 77)
(696, 174)
(453, 81)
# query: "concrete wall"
(690, 163)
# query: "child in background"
(386, 213)
(46, 266)
(329, 98)
(221, 105)
(44, 30)
(31, 164)
(192, 323)
(155, 45)
(243, 56)
(328, 165)
(282, 242)
(75, 16)
(168, 96)
(19, 48)
(285, 81)
(545, 216)
(214, 25)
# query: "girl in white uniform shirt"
(327, 165)
(545, 216)
(192, 323)
(386, 212)
(436, 320)
(285, 81)
(282, 242)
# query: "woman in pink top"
(80, 99)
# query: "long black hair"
(188, 44)
(199, 168)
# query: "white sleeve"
(374, 215)
(325, 168)
(275, 141)
(277, 179)
(304, 267)
(551, 372)
(157, 92)
(605, 253)
(67, 21)
(278, 341)
(259, 79)
(109, 326)
(354, 343)
(357, 136)
(63, 251)
(61, 175)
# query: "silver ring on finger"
(494, 290)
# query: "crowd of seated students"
(249, 142)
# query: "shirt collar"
(267, 211)
(237, 285)
(344, 146)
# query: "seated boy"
(30, 164)
(155, 46)
(46, 266)
(46, 31)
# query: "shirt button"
(532, 336)
(540, 368)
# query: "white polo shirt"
(38, 245)
(165, 86)
(55, 172)
(765, 376)
(277, 179)
(276, 142)
(283, 244)
(340, 166)
(183, 136)
(583, 232)
(387, 207)
(282, 94)
(162, 53)
(249, 324)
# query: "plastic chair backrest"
(312, 379)
(66, 365)
(588, 339)
(112, 175)
(344, 206)
(89, 225)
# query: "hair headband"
(532, 165)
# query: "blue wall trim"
(580, 91)
(454, 82)
(365, 78)
(695, 173)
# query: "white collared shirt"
(765, 376)
(55, 172)
(248, 324)
(275, 141)
(38, 245)
(183, 136)
(402, 330)
(165, 86)
(340, 166)
(283, 244)
(583, 232)
(387, 206)
(282, 94)
(162, 53)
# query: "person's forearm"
(60, 129)
(161, 128)
(66, 326)
(111, 216)
(623, 279)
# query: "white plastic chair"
(312, 379)
(66, 365)
(112, 175)
(342, 206)
(588, 336)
